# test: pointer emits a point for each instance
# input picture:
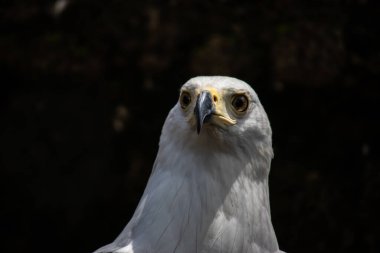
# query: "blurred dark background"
(86, 86)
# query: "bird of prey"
(208, 189)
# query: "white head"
(223, 113)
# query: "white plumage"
(208, 191)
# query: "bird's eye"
(185, 99)
(240, 103)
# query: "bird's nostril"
(215, 98)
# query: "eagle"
(208, 189)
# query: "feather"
(207, 192)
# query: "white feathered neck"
(203, 196)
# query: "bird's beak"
(203, 109)
(209, 108)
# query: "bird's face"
(222, 105)
(218, 108)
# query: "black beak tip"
(199, 128)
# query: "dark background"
(85, 91)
